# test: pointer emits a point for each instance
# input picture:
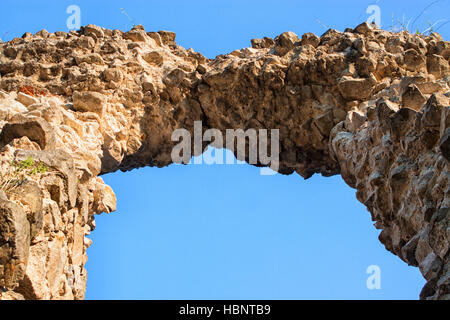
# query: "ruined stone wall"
(368, 104)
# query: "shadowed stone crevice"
(368, 104)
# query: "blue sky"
(226, 232)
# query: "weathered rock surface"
(368, 104)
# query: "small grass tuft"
(19, 172)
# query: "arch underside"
(368, 104)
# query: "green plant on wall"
(19, 172)
(410, 24)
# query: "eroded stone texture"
(368, 104)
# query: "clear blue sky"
(225, 232)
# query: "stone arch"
(368, 104)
